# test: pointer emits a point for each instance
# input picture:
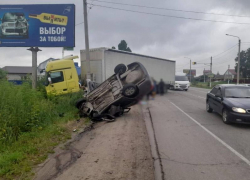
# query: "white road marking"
(216, 137)
(200, 90)
(196, 96)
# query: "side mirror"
(219, 97)
(42, 70)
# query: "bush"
(24, 110)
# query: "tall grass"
(23, 109)
(206, 84)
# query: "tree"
(123, 46)
(244, 63)
(113, 47)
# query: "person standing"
(161, 87)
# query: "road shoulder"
(118, 150)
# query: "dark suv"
(14, 24)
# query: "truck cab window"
(56, 77)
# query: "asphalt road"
(196, 145)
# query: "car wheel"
(208, 108)
(80, 102)
(186, 89)
(120, 69)
(130, 90)
(225, 117)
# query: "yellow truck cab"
(62, 77)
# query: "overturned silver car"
(115, 95)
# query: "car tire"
(130, 90)
(208, 108)
(120, 69)
(80, 102)
(186, 89)
(225, 117)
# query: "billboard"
(40, 25)
(187, 71)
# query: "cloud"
(163, 37)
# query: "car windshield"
(181, 78)
(237, 92)
(10, 17)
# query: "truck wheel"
(130, 90)
(120, 69)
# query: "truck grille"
(183, 86)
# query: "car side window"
(218, 93)
(214, 90)
(57, 77)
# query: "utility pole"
(34, 51)
(228, 74)
(190, 72)
(211, 70)
(238, 69)
(86, 39)
(204, 75)
(62, 52)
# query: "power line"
(79, 23)
(168, 9)
(178, 17)
(225, 61)
(214, 57)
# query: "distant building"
(206, 72)
(230, 74)
(218, 77)
(17, 72)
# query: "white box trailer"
(104, 60)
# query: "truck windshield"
(181, 78)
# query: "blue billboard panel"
(40, 25)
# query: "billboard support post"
(86, 39)
(34, 51)
(62, 52)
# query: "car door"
(211, 97)
(218, 106)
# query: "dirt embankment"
(117, 150)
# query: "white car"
(181, 83)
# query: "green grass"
(206, 84)
(31, 125)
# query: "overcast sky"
(158, 36)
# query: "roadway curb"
(159, 173)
